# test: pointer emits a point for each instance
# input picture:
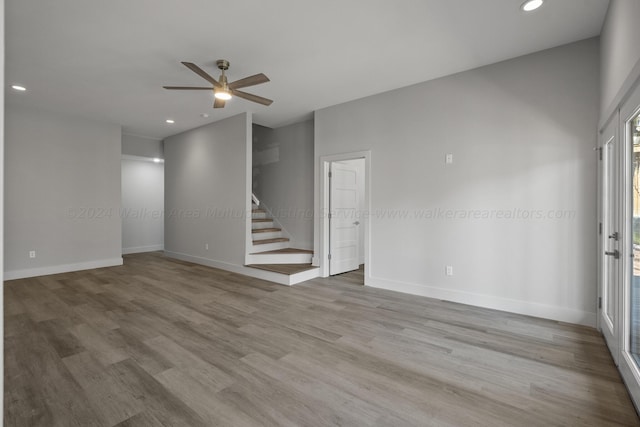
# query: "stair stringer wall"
(282, 178)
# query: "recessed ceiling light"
(531, 5)
(19, 88)
(170, 121)
(156, 160)
(204, 115)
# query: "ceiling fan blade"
(199, 71)
(249, 81)
(218, 103)
(251, 97)
(187, 88)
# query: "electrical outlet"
(448, 159)
(206, 246)
(32, 254)
(449, 270)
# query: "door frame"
(323, 247)
(604, 175)
(628, 367)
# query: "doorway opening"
(142, 209)
(345, 204)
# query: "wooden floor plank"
(210, 377)
(203, 400)
(162, 342)
(158, 400)
(39, 390)
(110, 400)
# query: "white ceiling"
(108, 60)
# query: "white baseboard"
(234, 268)
(140, 249)
(304, 276)
(222, 265)
(64, 268)
(561, 314)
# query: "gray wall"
(207, 192)
(522, 134)
(142, 206)
(283, 177)
(62, 193)
(261, 155)
(134, 145)
(619, 50)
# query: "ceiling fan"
(223, 90)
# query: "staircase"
(271, 252)
(265, 236)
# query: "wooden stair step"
(262, 220)
(285, 251)
(267, 241)
(288, 269)
(266, 230)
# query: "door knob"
(614, 236)
(356, 223)
(615, 254)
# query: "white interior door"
(610, 235)
(344, 221)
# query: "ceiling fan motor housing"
(223, 65)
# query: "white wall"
(140, 146)
(207, 193)
(620, 53)
(62, 193)
(283, 178)
(522, 134)
(142, 206)
(261, 155)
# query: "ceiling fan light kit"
(222, 90)
(222, 94)
(531, 5)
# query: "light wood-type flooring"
(159, 342)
